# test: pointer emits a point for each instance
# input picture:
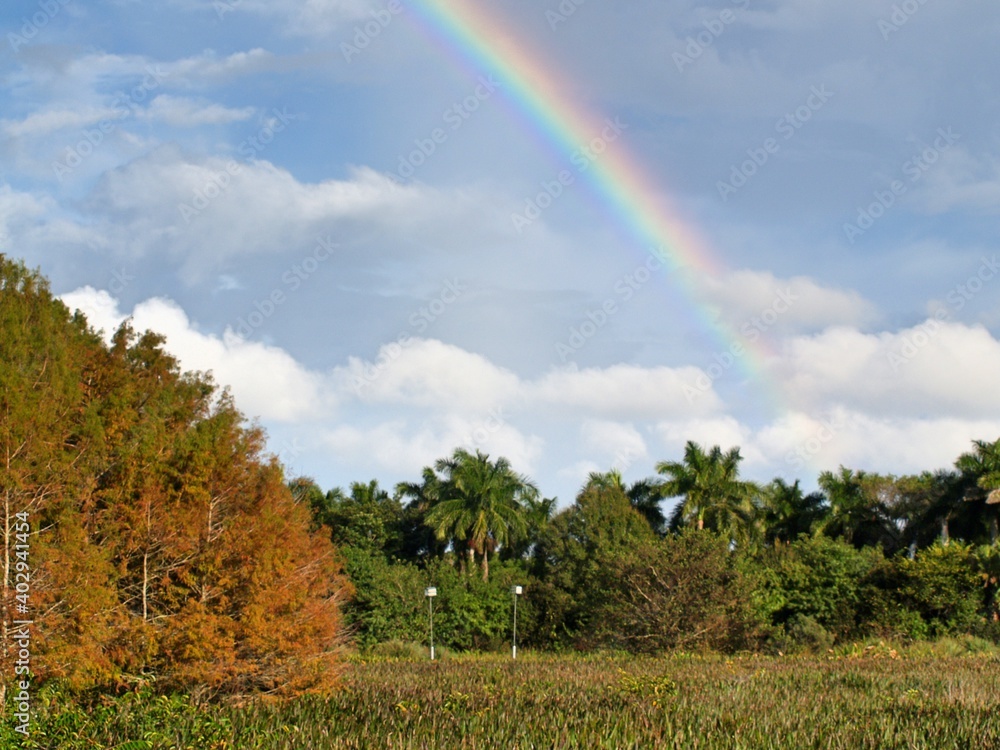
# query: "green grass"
(871, 697)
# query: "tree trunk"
(145, 585)
(945, 535)
(472, 559)
(486, 563)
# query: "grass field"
(870, 698)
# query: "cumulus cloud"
(934, 368)
(627, 391)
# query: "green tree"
(788, 512)
(982, 466)
(712, 494)
(482, 502)
(860, 509)
(574, 556)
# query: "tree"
(712, 495)
(482, 502)
(164, 542)
(575, 554)
(646, 498)
(787, 511)
(369, 518)
(861, 509)
(982, 466)
(683, 591)
(418, 541)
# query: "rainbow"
(481, 40)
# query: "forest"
(154, 543)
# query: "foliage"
(712, 494)
(819, 578)
(165, 545)
(681, 592)
(574, 556)
(875, 696)
(481, 502)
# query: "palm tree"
(419, 541)
(983, 466)
(712, 494)
(482, 502)
(859, 509)
(787, 512)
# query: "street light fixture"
(430, 592)
(516, 592)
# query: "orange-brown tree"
(165, 544)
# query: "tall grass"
(874, 696)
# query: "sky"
(575, 233)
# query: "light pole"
(516, 591)
(430, 592)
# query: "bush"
(817, 578)
(684, 591)
(809, 635)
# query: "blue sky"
(227, 173)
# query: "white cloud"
(431, 374)
(184, 112)
(404, 447)
(49, 121)
(760, 302)
(932, 369)
(618, 443)
(623, 391)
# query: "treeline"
(734, 565)
(165, 548)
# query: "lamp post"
(516, 592)
(430, 592)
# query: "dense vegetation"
(870, 697)
(165, 547)
(735, 566)
(171, 563)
